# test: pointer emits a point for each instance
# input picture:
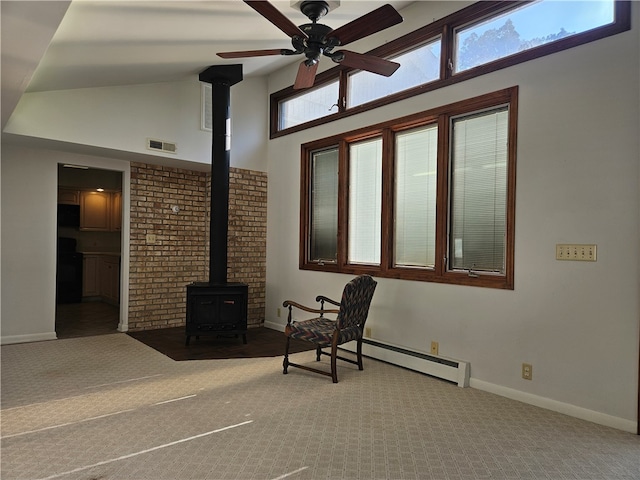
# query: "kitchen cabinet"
(94, 211)
(68, 196)
(90, 285)
(115, 220)
(101, 211)
(110, 279)
(101, 277)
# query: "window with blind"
(415, 192)
(427, 197)
(324, 206)
(365, 202)
(479, 191)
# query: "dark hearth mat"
(261, 342)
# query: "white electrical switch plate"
(576, 252)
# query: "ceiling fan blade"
(306, 75)
(250, 53)
(368, 24)
(369, 63)
(274, 15)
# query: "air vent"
(161, 146)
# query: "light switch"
(576, 252)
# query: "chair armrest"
(322, 298)
(291, 303)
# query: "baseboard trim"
(274, 326)
(34, 337)
(556, 406)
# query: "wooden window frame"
(387, 131)
(443, 28)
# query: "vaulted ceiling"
(58, 45)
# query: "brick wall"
(160, 271)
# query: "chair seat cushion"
(320, 331)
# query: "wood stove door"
(232, 311)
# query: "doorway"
(89, 240)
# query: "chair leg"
(334, 355)
(285, 362)
(318, 353)
(359, 354)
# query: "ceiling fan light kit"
(315, 39)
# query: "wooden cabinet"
(94, 211)
(90, 286)
(68, 196)
(101, 277)
(110, 279)
(101, 211)
(115, 219)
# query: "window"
(479, 39)
(418, 66)
(529, 26)
(415, 197)
(310, 105)
(365, 202)
(324, 206)
(427, 197)
(479, 191)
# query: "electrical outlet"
(527, 371)
(575, 252)
(367, 332)
(434, 348)
(151, 238)
(278, 312)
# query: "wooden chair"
(324, 332)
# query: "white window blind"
(324, 206)
(479, 191)
(415, 202)
(365, 202)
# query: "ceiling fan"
(315, 39)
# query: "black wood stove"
(218, 307)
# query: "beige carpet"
(109, 407)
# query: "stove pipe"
(221, 78)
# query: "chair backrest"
(356, 299)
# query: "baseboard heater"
(448, 369)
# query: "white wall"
(577, 182)
(122, 118)
(29, 235)
(114, 120)
(29, 271)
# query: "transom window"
(427, 197)
(476, 40)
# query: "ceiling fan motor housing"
(314, 10)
